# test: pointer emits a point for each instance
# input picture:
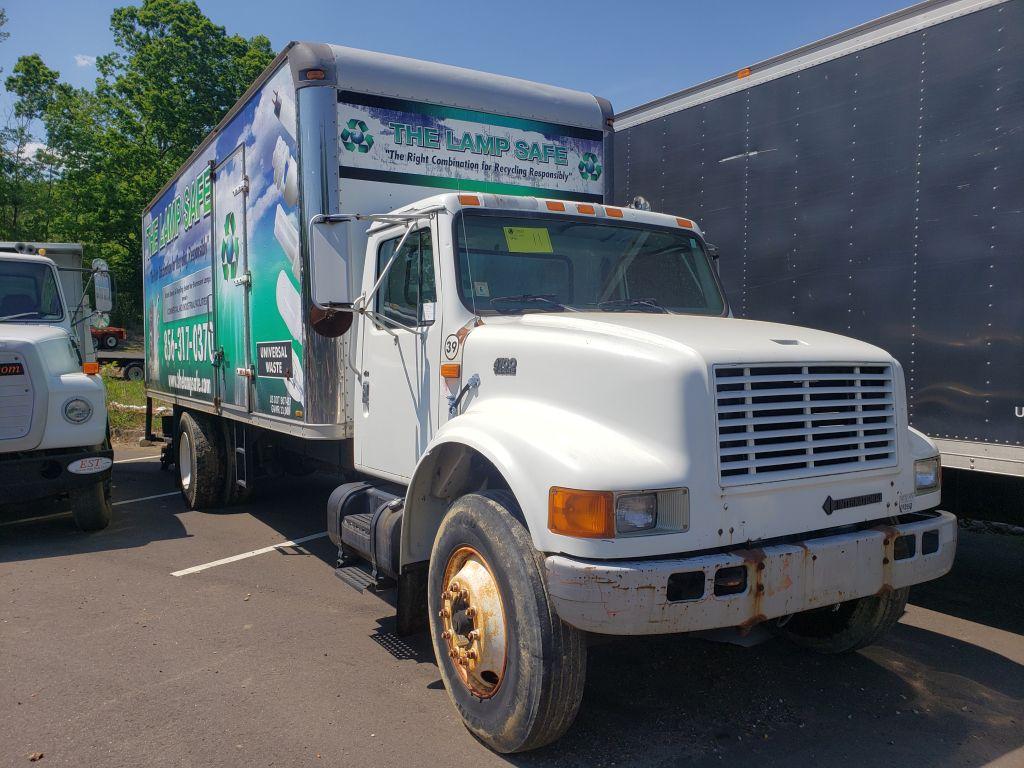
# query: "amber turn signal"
(91, 368)
(584, 514)
(450, 370)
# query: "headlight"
(927, 475)
(77, 410)
(636, 512)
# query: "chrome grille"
(792, 421)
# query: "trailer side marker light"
(469, 200)
(554, 205)
(314, 74)
(451, 370)
(91, 368)
(583, 514)
(685, 223)
(584, 208)
(615, 213)
(745, 72)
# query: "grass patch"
(125, 425)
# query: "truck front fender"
(527, 447)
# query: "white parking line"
(145, 498)
(138, 458)
(252, 553)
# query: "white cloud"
(28, 152)
(84, 60)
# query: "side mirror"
(712, 250)
(103, 286)
(329, 262)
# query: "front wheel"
(91, 506)
(847, 626)
(513, 669)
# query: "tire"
(200, 462)
(848, 626)
(134, 372)
(91, 506)
(537, 694)
(110, 341)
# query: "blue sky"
(628, 52)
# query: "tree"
(171, 78)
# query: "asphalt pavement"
(107, 658)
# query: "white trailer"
(551, 423)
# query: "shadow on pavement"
(919, 699)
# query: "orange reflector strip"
(745, 72)
(583, 514)
(584, 208)
(685, 223)
(91, 368)
(469, 200)
(555, 206)
(451, 370)
(615, 213)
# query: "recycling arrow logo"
(230, 248)
(356, 137)
(590, 167)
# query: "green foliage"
(171, 78)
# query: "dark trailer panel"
(871, 184)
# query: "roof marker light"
(745, 72)
(554, 205)
(615, 213)
(584, 208)
(469, 200)
(684, 223)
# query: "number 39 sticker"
(451, 347)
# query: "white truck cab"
(53, 424)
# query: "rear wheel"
(91, 506)
(513, 669)
(110, 341)
(134, 372)
(199, 459)
(847, 626)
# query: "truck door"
(396, 404)
(231, 281)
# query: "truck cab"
(563, 384)
(53, 428)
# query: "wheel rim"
(185, 460)
(473, 622)
(134, 373)
(110, 341)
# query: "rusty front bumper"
(633, 597)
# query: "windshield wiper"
(546, 299)
(648, 305)
(21, 314)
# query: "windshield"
(28, 291)
(537, 263)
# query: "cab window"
(411, 279)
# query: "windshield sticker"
(481, 289)
(528, 240)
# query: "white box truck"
(551, 423)
(53, 419)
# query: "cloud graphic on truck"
(356, 137)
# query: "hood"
(715, 339)
(30, 333)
